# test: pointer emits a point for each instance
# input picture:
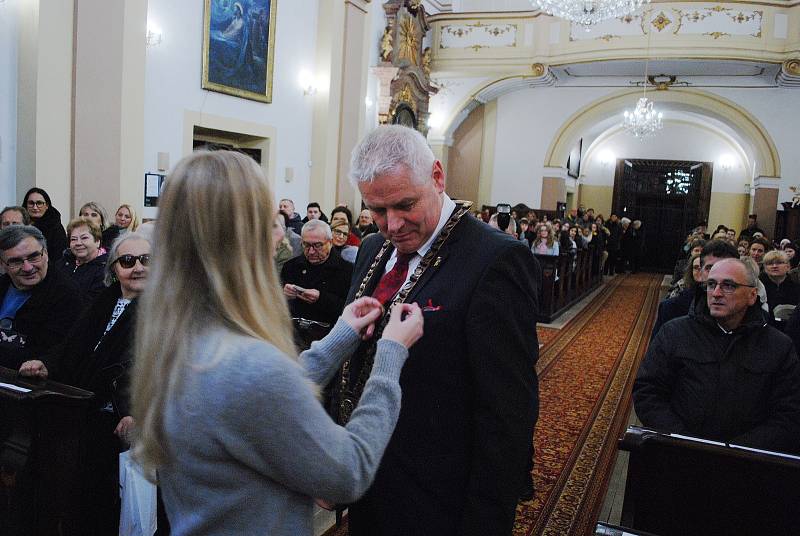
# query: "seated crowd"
(722, 361)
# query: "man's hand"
(124, 428)
(322, 503)
(309, 295)
(33, 369)
(290, 291)
(362, 314)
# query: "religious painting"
(239, 47)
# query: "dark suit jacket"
(44, 319)
(458, 456)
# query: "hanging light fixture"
(644, 120)
(588, 12)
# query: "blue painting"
(238, 47)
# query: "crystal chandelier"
(588, 12)
(644, 120)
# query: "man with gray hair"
(458, 458)
(37, 305)
(722, 373)
(316, 282)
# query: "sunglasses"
(129, 261)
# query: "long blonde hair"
(134, 218)
(212, 266)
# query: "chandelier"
(644, 120)
(588, 12)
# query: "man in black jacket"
(316, 282)
(680, 305)
(722, 373)
(37, 305)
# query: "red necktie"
(392, 280)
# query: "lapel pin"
(437, 262)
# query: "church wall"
(778, 110)
(600, 198)
(529, 119)
(8, 102)
(173, 80)
(464, 158)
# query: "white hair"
(625, 221)
(389, 149)
(313, 225)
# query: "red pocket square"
(431, 307)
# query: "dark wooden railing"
(567, 279)
(690, 487)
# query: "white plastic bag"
(138, 510)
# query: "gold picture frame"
(239, 47)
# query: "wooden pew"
(680, 486)
(566, 281)
(41, 427)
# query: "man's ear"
(753, 296)
(438, 176)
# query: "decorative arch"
(737, 118)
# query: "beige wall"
(729, 210)
(464, 158)
(553, 190)
(600, 198)
(44, 101)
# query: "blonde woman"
(125, 220)
(545, 242)
(228, 415)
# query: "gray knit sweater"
(251, 444)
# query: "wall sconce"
(607, 158)
(435, 120)
(154, 36)
(306, 80)
(727, 161)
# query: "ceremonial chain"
(348, 398)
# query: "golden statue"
(408, 41)
(426, 61)
(386, 45)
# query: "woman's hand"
(362, 314)
(405, 324)
(124, 428)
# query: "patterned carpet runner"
(586, 371)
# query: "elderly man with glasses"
(316, 283)
(722, 373)
(37, 305)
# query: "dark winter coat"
(54, 233)
(82, 365)
(88, 277)
(741, 387)
(44, 319)
(331, 278)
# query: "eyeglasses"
(727, 286)
(36, 203)
(18, 262)
(129, 261)
(316, 245)
(341, 234)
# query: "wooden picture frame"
(239, 47)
